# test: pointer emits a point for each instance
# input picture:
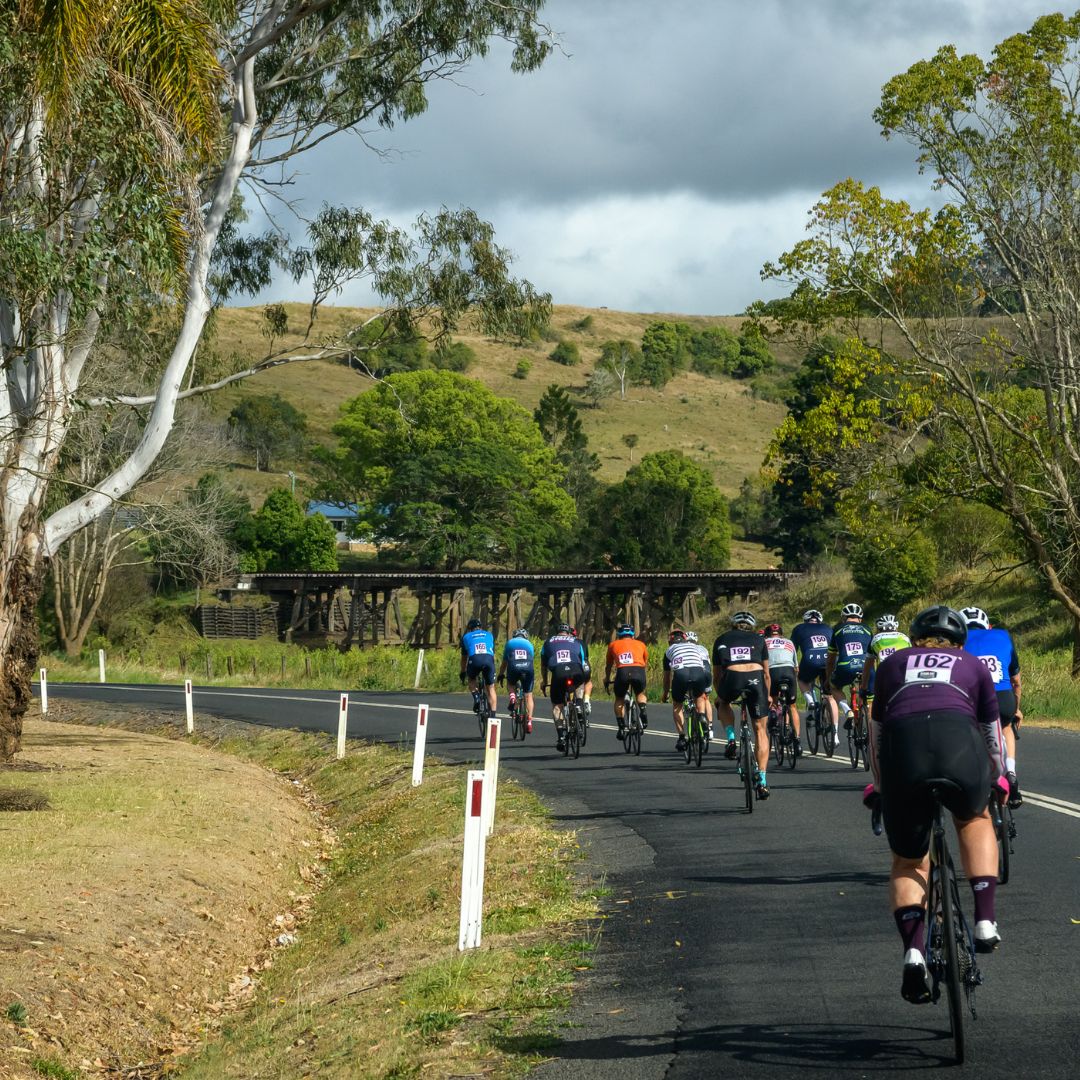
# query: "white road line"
(1029, 801)
(1051, 799)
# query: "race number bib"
(521, 654)
(677, 662)
(854, 648)
(740, 654)
(626, 658)
(562, 656)
(929, 667)
(887, 651)
(480, 648)
(819, 641)
(993, 665)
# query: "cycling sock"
(984, 889)
(730, 734)
(911, 922)
(764, 782)
(1010, 764)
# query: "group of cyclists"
(945, 704)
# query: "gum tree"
(128, 134)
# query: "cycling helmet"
(974, 616)
(851, 611)
(563, 628)
(625, 630)
(774, 629)
(887, 624)
(743, 617)
(521, 632)
(676, 635)
(473, 624)
(939, 621)
(812, 615)
(573, 631)
(691, 636)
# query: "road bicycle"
(574, 722)
(518, 712)
(950, 952)
(483, 713)
(781, 730)
(633, 728)
(749, 772)
(858, 734)
(696, 732)
(817, 716)
(1004, 830)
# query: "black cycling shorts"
(692, 682)
(920, 748)
(523, 678)
(781, 676)
(628, 677)
(477, 664)
(575, 674)
(845, 676)
(810, 673)
(1007, 707)
(750, 686)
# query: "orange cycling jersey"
(627, 652)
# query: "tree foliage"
(893, 566)
(279, 536)
(566, 353)
(445, 472)
(559, 422)
(268, 426)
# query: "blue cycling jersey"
(812, 640)
(518, 652)
(478, 643)
(851, 644)
(563, 649)
(996, 650)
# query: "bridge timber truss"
(430, 609)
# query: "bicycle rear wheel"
(583, 724)
(951, 934)
(999, 814)
(635, 739)
(778, 747)
(813, 728)
(828, 738)
(853, 747)
(792, 741)
(699, 737)
(746, 766)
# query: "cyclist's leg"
(638, 677)
(618, 688)
(491, 692)
(725, 718)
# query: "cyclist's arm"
(667, 683)
(830, 666)
(464, 659)
(864, 681)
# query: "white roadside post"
(491, 772)
(419, 668)
(472, 863)
(101, 665)
(342, 723)
(189, 707)
(44, 676)
(419, 745)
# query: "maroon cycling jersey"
(924, 680)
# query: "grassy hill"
(717, 422)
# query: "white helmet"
(691, 635)
(887, 624)
(812, 615)
(974, 616)
(743, 617)
(851, 611)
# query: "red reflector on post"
(477, 798)
(491, 737)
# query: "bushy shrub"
(894, 565)
(524, 366)
(566, 353)
(453, 356)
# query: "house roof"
(333, 510)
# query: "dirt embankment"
(135, 908)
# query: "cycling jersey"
(627, 652)
(996, 650)
(850, 645)
(812, 639)
(739, 647)
(519, 653)
(478, 643)
(686, 654)
(781, 652)
(885, 643)
(561, 650)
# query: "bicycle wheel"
(699, 738)
(583, 724)
(792, 743)
(866, 746)
(746, 766)
(853, 747)
(999, 814)
(945, 932)
(828, 738)
(688, 736)
(813, 727)
(635, 739)
(778, 740)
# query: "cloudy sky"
(671, 149)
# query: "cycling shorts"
(632, 677)
(845, 676)
(810, 671)
(919, 748)
(689, 682)
(750, 686)
(523, 678)
(1007, 707)
(476, 664)
(781, 676)
(559, 675)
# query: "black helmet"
(625, 630)
(939, 621)
(473, 624)
(564, 628)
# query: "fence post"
(43, 675)
(209, 668)
(101, 665)
(189, 707)
(282, 667)
(419, 745)
(419, 666)
(307, 667)
(472, 863)
(343, 720)
(491, 771)
(229, 665)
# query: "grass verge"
(375, 986)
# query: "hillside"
(717, 422)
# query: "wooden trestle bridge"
(430, 609)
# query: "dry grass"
(128, 907)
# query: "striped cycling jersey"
(686, 654)
(781, 652)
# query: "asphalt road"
(752, 945)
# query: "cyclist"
(742, 665)
(478, 654)
(782, 673)
(848, 651)
(519, 662)
(628, 658)
(994, 647)
(586, 690)
(935, 715)
(564, 659)
(888, 639)
(686, 671)
(812, 638)
(692, 636)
